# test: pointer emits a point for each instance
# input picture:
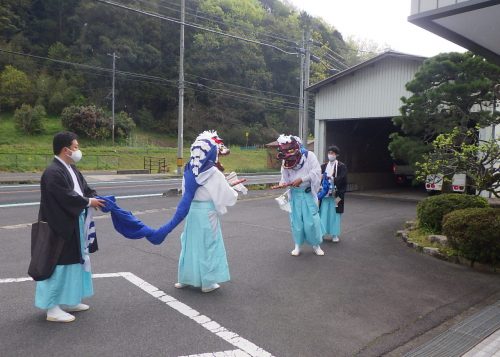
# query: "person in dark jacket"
(65, 199)
(332, 205)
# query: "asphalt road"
(368, 295)
(12, 194)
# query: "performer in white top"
(301, 171)
(206, 194)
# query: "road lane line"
(234, 353)
(94, 276)
(20, 191)
(249, 348)
(136, 213)
(98, 183)
(9, 205)
(103, 187)
(212, 326)
(104, 216)
(17, 226)
(15, 280)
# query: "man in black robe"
(65, 200)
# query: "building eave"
(426, 20)
(388, 54)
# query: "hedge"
(430, 212)
(474, 233)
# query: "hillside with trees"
(55, 56)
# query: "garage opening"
(364, 149)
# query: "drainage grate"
(462, 337)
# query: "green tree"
(30, 120)
(13, 14)
(461, 151)
(15, 87)
(450, 90)
(86, 31)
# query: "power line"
(217, 19)
(334, 60)
(167, 18)
(327, 65)
(56, 60)
(241, 94)
(245, 99)
(243, 87)
(138, 77)
(332, 54)
(90, 67)
(221, 21)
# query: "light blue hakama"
(203, 260)
(68, 285)
(304, 218)
(330, 219)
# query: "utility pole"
(301, 95)
(307, 71)
(113, 98)
(180, 122)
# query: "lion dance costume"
(206, 194)
(301, 170)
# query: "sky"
(384, 22)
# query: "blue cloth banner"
(130, 227)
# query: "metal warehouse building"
(354, 110)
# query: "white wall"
(370, 92)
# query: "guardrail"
(26, 161)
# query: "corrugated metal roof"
(315, 87)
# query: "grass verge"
(24, 153)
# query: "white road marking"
(234, 353)
(154, 210)
(98, 183)
(104, 216)
(8, 205)
(17, 226)
(244, 347)
(15, 280)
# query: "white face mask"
(76, 155)
(332, 157)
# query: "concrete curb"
(434, 252)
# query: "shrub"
(430, 211)
(474, 233)
(86, 121)
(145, 119)
(56, 103)
(124, 124)
(30, 120)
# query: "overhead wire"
(171, 19)
(242, 87)
(139, 77)
(334, 55)
(241, 94)
(338, 63)
(327, 65)
(221, 22)
(246, 99)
